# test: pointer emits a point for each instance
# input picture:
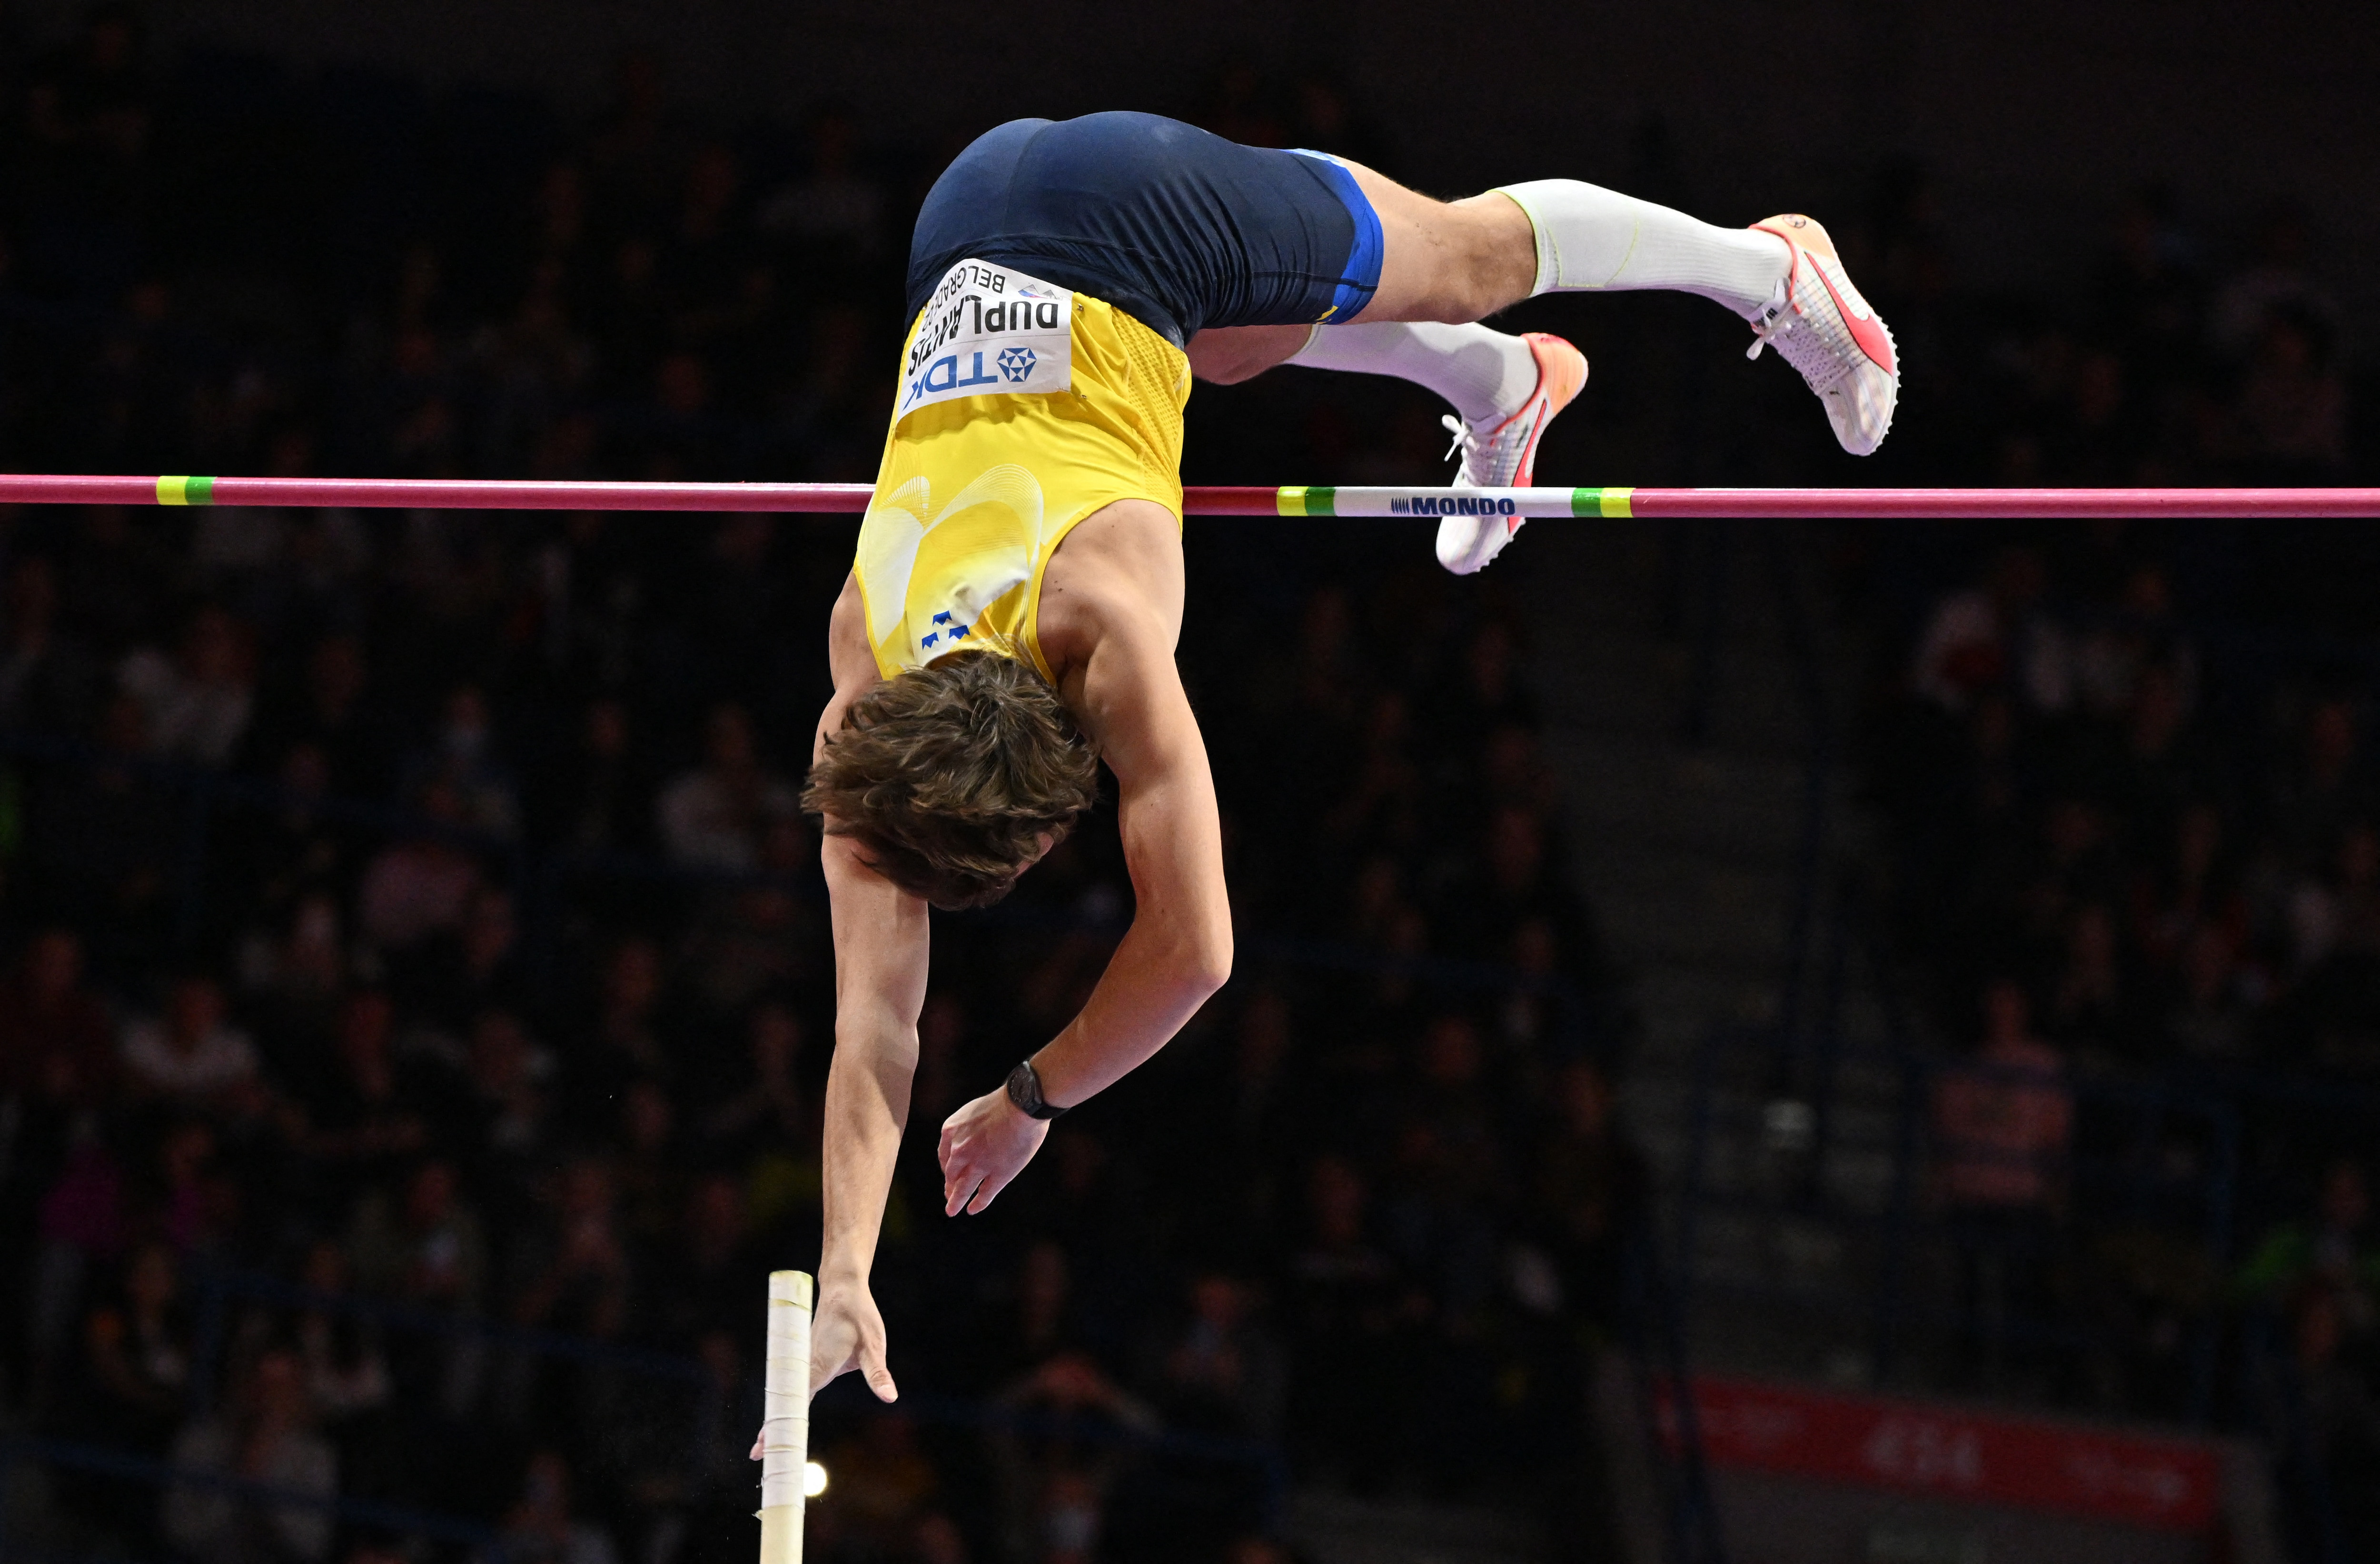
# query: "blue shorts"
(1177, 227)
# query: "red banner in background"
(2168, 1485)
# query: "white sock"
(1484, 374)
(1591, 238)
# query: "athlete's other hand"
(984, 1144)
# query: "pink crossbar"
(454, 494)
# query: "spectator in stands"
(136, 1361)
(649, 1166)
(759, 938)
(57, 1054)
(506, 1119)
(1348, 1312)
(426, 1246)
(715, 817)
(833, 208)
(421, 885)
(1587, 1194)
(572, 1264)
(629, 1030)
(2321, 788)
(1223, 1371)
(333, 713)
(198, 704)
(2336, 1247)
(365, 1112)
(766, 1107)
(47, 680)
(545, 1526)
(420, 1243)
(2003, 1123)
(103, 842)
(191, 1056)
(599, 798)
(1995, 637)
(345, 1365)
(1056, 1464)
(464, 754)
(87, 123)
(709, 1268)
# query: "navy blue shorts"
(1179, 228)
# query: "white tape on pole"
(785, 1417)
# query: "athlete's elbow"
(1207, 964)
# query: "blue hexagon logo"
(1015, 363)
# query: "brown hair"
(948, 775)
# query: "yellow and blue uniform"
(976, 492)
(1150, 230)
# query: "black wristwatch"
(1025, 1091)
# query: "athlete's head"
(953, 779)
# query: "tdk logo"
(943, 374)
(1015, 363)
(1446, 505)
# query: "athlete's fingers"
(984, 1193)
(872, 1368)
(962, 1189)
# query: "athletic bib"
(989, 331)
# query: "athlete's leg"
(1455, 262)
(1483, 374)
(1227, 354)
(1458, 261)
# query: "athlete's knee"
(1480, 255)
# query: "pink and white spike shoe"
(1822, 326)
(1506, 456)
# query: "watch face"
(1025, 1091)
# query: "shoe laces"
(1813, 338)
(1775, 319)
(1464, 440)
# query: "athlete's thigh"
(1446, 260)
(1226, 355)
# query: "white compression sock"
(1591, 238)
(1484, 374)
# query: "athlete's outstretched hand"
(846, 1333)
(984, 1144)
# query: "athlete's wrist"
(1028, 1093)
(841, 1272)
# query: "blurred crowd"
(414, 994)
(2136, 830)
(416, 998)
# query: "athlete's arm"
(879, 986)
(1178, 950)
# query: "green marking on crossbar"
(1601, 502)
(185, 490)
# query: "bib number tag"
(988, 330)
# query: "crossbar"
(467, 494)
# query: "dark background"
(412, 907)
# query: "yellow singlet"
(976, 490)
